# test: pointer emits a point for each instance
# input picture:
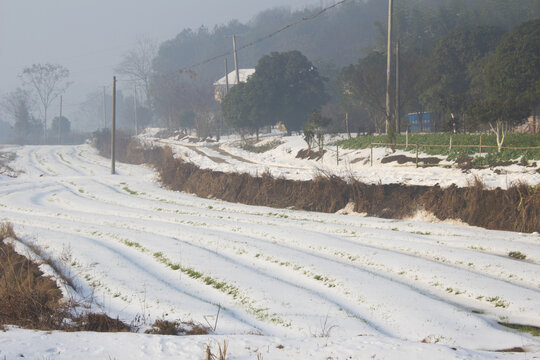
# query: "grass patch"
(492, 157)
(252, 147)
(129, 191)
(533, 330)
(517, 255)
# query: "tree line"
(449, 51)
(42, 84)
(473, 76)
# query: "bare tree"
(137, 64)
(49, 81)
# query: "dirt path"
(226, 153)
(215, 159)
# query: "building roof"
(244, 74)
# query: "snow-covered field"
(281, 161)
(289, 284)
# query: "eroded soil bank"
(514, 209)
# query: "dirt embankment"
(515, 209)
(31, 300)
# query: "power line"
(268, 36)
(252, 43)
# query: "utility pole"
(104, 108)
(135, 109)
(236, 60)
(397, 115)
(60, 120)
(226, 92)
(226, 77)
(113, 128)
(389, 66)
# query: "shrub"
(517, 255)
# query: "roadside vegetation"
(514, 209)
(448, 145)
(31, 300)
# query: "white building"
(220, 86)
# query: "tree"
(60, 127)
(236, 108)
(6, 132)
(451, 59)
(507, 82)
(314, 130)
(364, 84)
(244, 107)
(49, 82)
(18, 106)
(290, 88)
(177, 96)
(137, 65)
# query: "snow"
(282, 162)
(293, 284)
(243, 74)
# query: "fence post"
(371, 157)
(480, 144)
(416, 155)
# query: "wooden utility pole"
(60, 119)
(236, 60)
(135, 109)
(347, 124)
(226, 92)
(388, 66)
(226, 76)
(113, 128)
(397, 106)
(104, 108)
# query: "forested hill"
(338, 37)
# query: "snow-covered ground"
(290, 284)
(281, 161)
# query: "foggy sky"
(90, 36)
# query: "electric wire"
(266, 37)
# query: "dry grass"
(222, 352)
(166, 327)
(514, 209)
(31, 300)
(27, 298)
(98, 323)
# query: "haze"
(89, 37)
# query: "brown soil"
(402, 159)
(311, 155)
(357, 160)
(515, 209)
